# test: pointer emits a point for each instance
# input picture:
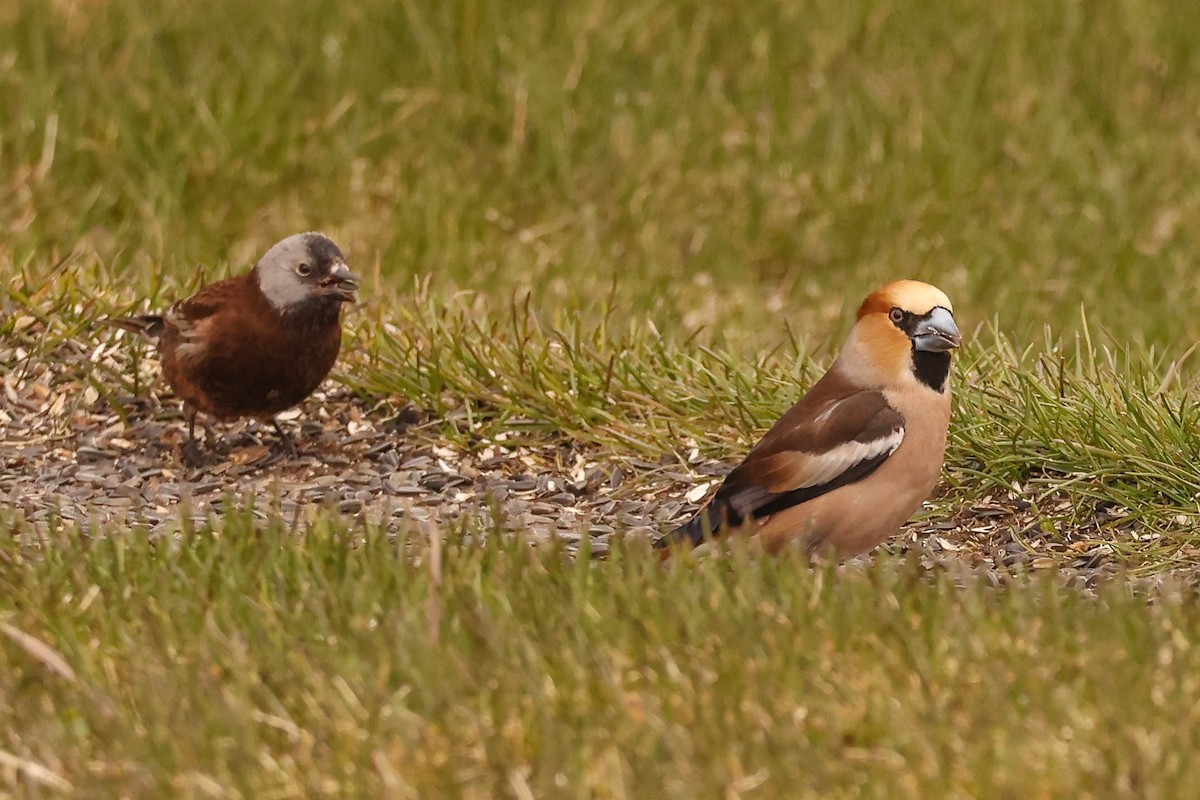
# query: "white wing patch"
(824, 467)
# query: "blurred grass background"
(641, 225)
(726, 166)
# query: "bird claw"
(193, 455)
(220, 446)
(285, 441)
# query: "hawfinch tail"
(258, 343)
(849, 463)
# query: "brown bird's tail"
(149, 325)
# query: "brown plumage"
(256, 344)
(849, 463)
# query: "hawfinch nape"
(849, 463)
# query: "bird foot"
(286, 445)
(287, 449)
(218, 445)
(193, 455)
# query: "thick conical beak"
(937, 332)
(341, 282)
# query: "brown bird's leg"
(213, 440)
(289, 446)
(191, 452)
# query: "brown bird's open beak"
(341, 283)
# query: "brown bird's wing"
(195, 319)
(207, 302)
(183, 315)
(836, 435)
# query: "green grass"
(1029, 157)
(1083, 422)
(266, 662)
(642, 226)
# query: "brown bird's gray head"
(304, 269)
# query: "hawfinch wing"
(830, 439)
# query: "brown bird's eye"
(303, 269)
(896, 315)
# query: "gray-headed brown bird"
(849, 463)
(256, 344)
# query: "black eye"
(303, 269)
(896, 315)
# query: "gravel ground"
(67, 454)
(364, 466)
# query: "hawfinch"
(849, 463)
(258, 343)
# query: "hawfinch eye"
(303, 269)
(896, 315)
